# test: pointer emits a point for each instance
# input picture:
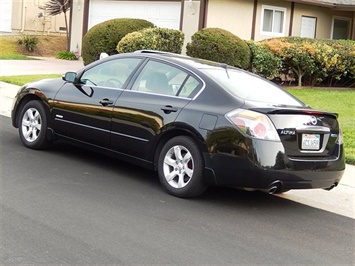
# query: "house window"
(273, 21)
(340, 28)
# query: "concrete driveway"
(340, 200)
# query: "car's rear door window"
(161, 78)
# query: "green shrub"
(28, 42)
(105, 36)
(161, 39)
(263, 61)
(295, 54)
(219, 45)
(336, 59)
(65, 55)
(316, 62)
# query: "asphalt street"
(69, 206)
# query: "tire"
(33, 125)
(181, 167)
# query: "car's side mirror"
(69, 76)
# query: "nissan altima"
(197, 123)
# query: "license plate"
(310, 141)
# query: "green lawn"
(23, 79)
(338, 101)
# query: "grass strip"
(23, 79)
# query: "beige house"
(248, 19)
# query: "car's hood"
(52, 83)
(47, 87)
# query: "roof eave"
(327, 5)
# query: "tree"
(55, 7)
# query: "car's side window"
(112, 74)
(161, 78)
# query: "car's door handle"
(106, 102)
(168, 109)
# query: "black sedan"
(197, 123)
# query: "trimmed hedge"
(105, 36)
(219, 45)
(161, 39)
(317, 61)
(263, 62)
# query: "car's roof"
(196, 63)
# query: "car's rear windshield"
(251, 87)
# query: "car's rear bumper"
(253, 171)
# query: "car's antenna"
(225, 66)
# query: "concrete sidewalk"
(340, 200)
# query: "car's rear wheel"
(180, 168)
(33, 125)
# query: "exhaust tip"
(274, 187)
(332, 186)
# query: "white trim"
(273, 8)
(340, 18)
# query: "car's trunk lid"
(305, 132)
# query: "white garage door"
(161, 14)
(5, 15)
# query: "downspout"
(23, 16)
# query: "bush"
(161, 39)
(65, 55)
(219, 45)
(336, 59)
(316, 62)
(263, 61)
(28, 42)
(294, 54)
(105, 36)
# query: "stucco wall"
(77, 25)
(191, 16)
(231, 15)
(25, 18)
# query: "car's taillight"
(340, 137)
(253, 124)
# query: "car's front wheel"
(33, 125)
(180, 168)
